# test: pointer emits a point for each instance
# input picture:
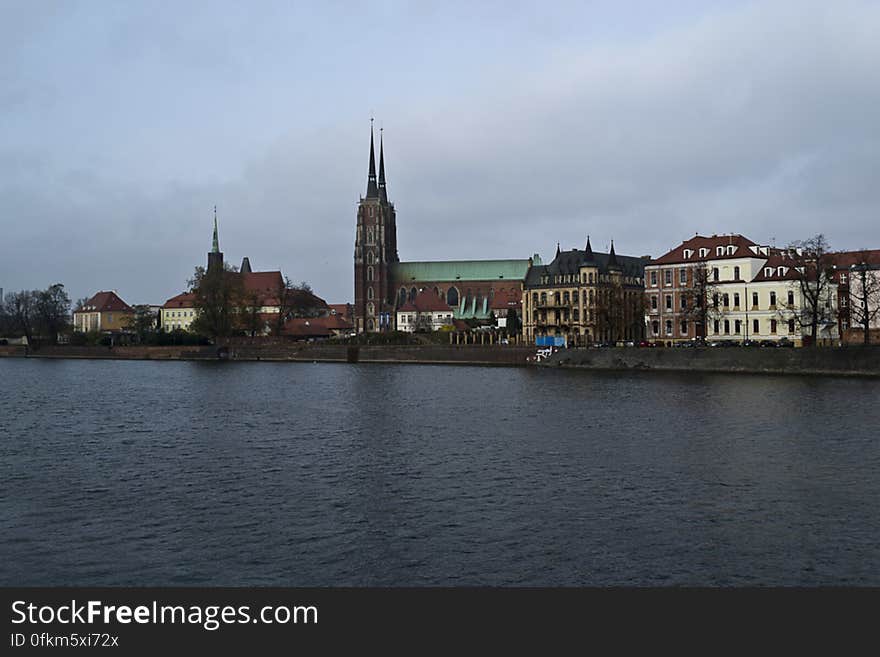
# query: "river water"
(178, 473)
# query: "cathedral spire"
(557, 249)
(372, 189)
(215, 245)
(383, 192)
(589, 248)
(612, 258)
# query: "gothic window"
(369, 273)
(543, 298)
(371, 309)
(401, 296)
(412, 293)
(370, 258)
(534, 298)
(556, 298)
(452, 296)
(370, 325)
(574, 297)
(369, 293)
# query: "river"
(280, 474)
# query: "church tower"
(215, 256)
(375, 250)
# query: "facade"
(727, 287)
(426, 312)
(585, 297)
(858, 295)
(104, 312)
(178, 312)
(383, 284)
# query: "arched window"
(591, 277)
(574, 297)
(369, 273)
(369, 293)
(556, 298)
(369, 324)
(534, 298)
(412, 293)
(452, 296)
(401, 296)
(543, 298)
(371, 309)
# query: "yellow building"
(178, 312)
(104, 312)
(585, 297)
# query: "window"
(791, 326)
(684, 303)
(736, 273)
(655, 327)
(653, 278)
(726, 327)
(667, 277)
(574, 297)
(772, 326)
(566, 299)
(715, 300)
(736, 299)
(773, 299)
(719, 250)
(556, 298)
(843, 279)
(844, 302)
(412, 293)
(668, 327)
(543, 298)
(726, 300)
(668, 302)
(534, 299)
(731, 249)
(717, 324)
(684, 328)
(714, 273)
(790, 298)
(736, 326)
(756, 326)
(653, 302)
(704, 252)
(683, 276)
(369, 293)
(754, 300)
(576, 315)
(369, 273)
(768, 271)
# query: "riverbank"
(849, 361)
(502, 355)
(846, 361)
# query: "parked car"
(784, 342)
(768, 343)
(751, 343)
(646, 343)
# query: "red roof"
(781, 268)
(315, 326)
(262, 281)
(504, 300)
(341, 309)
(846, 259)
(694, 244)
(105, 302)
(183, 300)
(425, 302)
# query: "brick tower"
(375, 250)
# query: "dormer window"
(731, 249)
(781, 271)
(704, 252)
(768, 271)
(719, 250)
(688, 253)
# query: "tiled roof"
(184, 300)
(105, 302)
(426, 301)
(846, 259)
(341, 309)
(314, 327)
(262, 281)
(778, 267)
(693, 245)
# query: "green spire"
(215, 246)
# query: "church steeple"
(372, 189)
(589, 249)
(557, 249)
(612, 258)
(215, 257)
(215, 245)
(383, 192)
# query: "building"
(585, 297)
(104, 312)
(178, 312)
(383, 284)
(426, 312)
(727, 287)
(857, 277)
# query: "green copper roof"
(465, 270)
(215, 244)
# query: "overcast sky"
(509, 126)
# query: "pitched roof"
(778, 267)
(105, 302)
(315, 326)
(426, 301)
(454, 270)
(340, 309)
(694, 244)
(846, 259)
(570, 262)
(183, 300)
(262, 281)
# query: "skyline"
(505, 133)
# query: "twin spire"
(376, 189)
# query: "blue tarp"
(550, 341)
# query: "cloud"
(757, 118)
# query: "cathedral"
(469, 289)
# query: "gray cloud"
(756, 118)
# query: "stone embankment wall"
(849, 361)
(310, 352)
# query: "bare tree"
(813, 265)
(864, 306)
(21, 311)
(701, 300)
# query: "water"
(144, 473)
